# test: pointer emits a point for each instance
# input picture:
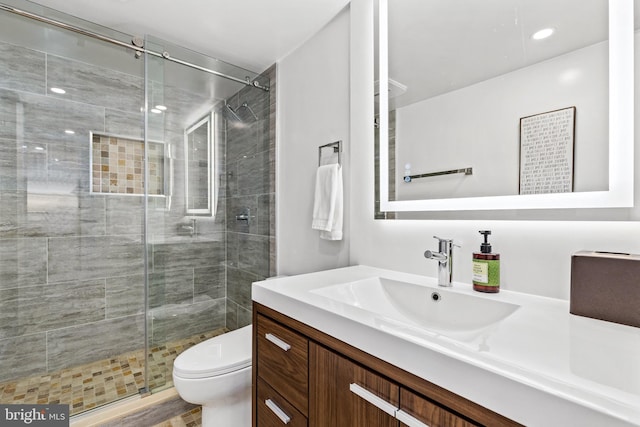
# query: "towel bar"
(466, 171)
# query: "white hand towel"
(328, 204)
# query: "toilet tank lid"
(219, 355)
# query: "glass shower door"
(71, 230)
(185, 234)
(189, 253)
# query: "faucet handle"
(440, 239)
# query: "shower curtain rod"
(164, 55)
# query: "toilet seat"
(216, 356)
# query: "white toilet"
(217, 375)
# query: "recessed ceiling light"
(543, 34)
(161, 107)
(58, 90)
(69, 131)
(156, 111)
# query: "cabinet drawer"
(275, 411)
(283, 361)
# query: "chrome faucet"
(444, 256)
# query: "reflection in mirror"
(478, 111)
(198, 164)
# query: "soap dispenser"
(486, 267)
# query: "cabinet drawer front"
(275, 411)
(283, 361)
(346, 394)
(428, 412)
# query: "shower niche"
(118, 165)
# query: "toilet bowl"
(217, 375)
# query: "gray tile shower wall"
(250, 183)
(26, 354)
(85, 83)
(94, 341)
(22, 69)
(69, 266)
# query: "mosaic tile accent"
(118, 165)
(88, 386)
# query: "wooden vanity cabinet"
(319, 381)
(350, 385)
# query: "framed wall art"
(547, 143)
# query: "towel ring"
(337, 148)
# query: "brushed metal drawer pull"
(277, 341)
(373, 399)
(276, 410)
(409, 420)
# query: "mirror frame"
(208, 120)
(621, 133)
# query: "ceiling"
(252, 34)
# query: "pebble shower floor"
(88, 386)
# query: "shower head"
(230, 114)
(246, 113)
(241, 116)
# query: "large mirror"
(479, 111)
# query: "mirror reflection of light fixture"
(621, 134)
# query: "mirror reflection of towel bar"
(466, 171)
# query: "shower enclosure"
(136, 206)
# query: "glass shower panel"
(188, 249)
(72, 279)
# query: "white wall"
(535, 254)
(478, 126)
(313, 110)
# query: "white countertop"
(540, 366)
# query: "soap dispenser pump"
(486, 267)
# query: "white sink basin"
(431, 308)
